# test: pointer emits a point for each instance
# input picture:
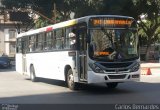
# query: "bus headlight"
(135, 67)
(96, 68)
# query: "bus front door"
(82, 54)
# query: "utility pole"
(55, 13)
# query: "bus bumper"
(103, 77)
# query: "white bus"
(91, 49)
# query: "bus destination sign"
(110, 22)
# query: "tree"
(120, 7)
(63, 7)
(135, 8)
(85, 7)
(80, 8)
(150, 27)
(37, 5)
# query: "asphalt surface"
(17, 88)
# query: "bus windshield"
(113, 44)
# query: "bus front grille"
(117, 76)
(114, 70)
(116, 65)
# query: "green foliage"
(40, 22)
(79, 7)
(64, 7)
(118, 7)
(42, 6)
(150, 28)
(9, 4)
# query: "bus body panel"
(19, 63)
(49, 64)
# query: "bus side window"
(31, 43)
(24, 45)
(45, 41)
(59, 34)
(53, 41)
(48, 41)
(19, 45)
(67, 43)
(39, 42)
(71, 38)
(63, 38)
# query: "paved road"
(16, 88)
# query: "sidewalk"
(154, 68)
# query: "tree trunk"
(147, 53)
(149, 42)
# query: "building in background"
(8, 35)
(7, 39)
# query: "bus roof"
(67, 23)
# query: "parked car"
(5, 62)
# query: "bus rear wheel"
(70, 80)
(112, 85)
(32, 74)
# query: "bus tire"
(70, 80)
(32, 74)
(112, 85)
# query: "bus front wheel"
(70, 80)
(112, 85)
(32, 74)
